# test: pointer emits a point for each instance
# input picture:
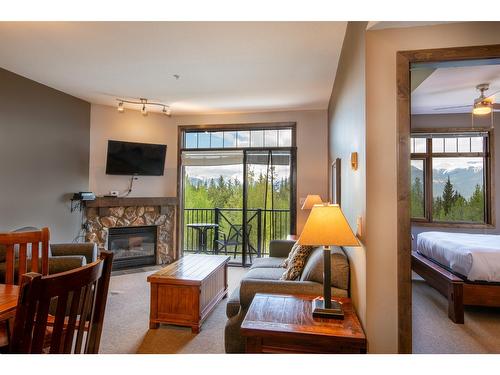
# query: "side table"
(278, 323)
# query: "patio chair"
(235, 238)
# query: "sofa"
(264, 277)
(62, 257)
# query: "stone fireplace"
(106, 213)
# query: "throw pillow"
(290, 255)
(297, 261)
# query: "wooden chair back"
(38, 241)
(81, 301)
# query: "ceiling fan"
(483, 105)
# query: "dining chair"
(77, 324)
(24, 247)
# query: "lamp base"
(319, 310)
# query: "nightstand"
(278, 323)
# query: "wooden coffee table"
(284, 324)
(186, 291)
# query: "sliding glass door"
(235, 199)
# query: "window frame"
(488, 176)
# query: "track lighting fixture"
(144, 106)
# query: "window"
(254, 138)
(449, 177)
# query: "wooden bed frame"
(459, 291)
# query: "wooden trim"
(488, 155)
(403, 205)
(127, 202)
(403, 61)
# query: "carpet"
(433, 332)
(126, 323)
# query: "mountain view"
(464, 179)
(458, 193)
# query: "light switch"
(359, 226)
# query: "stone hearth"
(105, 213)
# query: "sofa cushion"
(233, 303)
(267, 262)
(313, 270)
(296, 261)
(264, 273)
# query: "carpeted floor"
(433, 332)
(126, 324)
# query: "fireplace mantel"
(110, 212)
(132, 201)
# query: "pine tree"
(448, 195)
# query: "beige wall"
(107, 123)
(346, 118)
(381, 158)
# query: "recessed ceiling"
(454, 86)
(223, 66)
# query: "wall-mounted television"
(140, 159)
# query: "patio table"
(202, 229)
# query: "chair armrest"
(249, 287)
(280, 248)
(87, 249)
(65, 263)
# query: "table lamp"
(327, 226)
(310, 201)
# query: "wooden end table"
(284, 324)
(186, 291)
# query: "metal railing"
(262, 227)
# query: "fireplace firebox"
(132, 246)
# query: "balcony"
(224, 225)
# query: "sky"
(232, 171)
(450, 164)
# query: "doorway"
(405, 59)
(238, 189)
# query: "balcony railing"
(262, 227)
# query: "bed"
(465, 268)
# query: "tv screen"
(142, 159)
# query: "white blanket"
(475, 256)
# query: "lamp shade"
(327, 226)
(310, 201)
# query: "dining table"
(8, 301)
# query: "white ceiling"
(447, 87)
(223, 66)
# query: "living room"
(247, 156)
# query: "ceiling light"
(482, 108)
(166, 111)
(144, 105)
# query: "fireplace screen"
(132, 246)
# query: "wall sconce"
(354, 161)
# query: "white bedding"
(475, 256)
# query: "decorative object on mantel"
(104, 213)
(327, 226)
(78, 199)
(144, 106)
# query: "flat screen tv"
(140, 159)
